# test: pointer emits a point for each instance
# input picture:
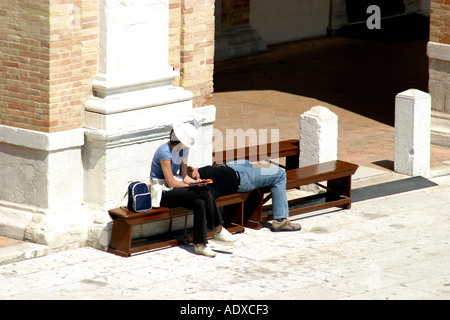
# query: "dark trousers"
(201, 202)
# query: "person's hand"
(200, 182)
(188, 180)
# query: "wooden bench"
(338, 191)
(336, 173)
(123, 221)
(241, 208)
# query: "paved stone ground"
(393, 247)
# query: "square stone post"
(412, 133)
(318, 136)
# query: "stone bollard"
(318, 136)
(412, 133)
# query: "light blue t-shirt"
(165, 152)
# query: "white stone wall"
(41, 190)
(439, 86)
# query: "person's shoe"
(204, 250)
(224, 235)
(285, 225)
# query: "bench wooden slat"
(167, 213)
(341, 202)
(156, 214)
(288, 149)
(319, 172)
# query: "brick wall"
(175, 36)
(47, 62)
(191, 47)
(65, 60)
(48, 58)
(24, 68)
(235, 13)
(440, 21)
(89, 28)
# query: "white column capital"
(133, 46)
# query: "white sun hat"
(185, 133)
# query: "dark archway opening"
(356, 9)
(362, 76)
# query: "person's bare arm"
(168, 175)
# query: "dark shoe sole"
(281, 230)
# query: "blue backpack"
(139, 197)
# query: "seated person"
(241, 176)
(170, 159)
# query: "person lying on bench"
(241, 176)
(171, 158)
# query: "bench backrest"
(268, 151)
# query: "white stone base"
(41, 187)
(112, 158)
(56, 189)
(440, 129)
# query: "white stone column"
(318, 136)
(134, 106)
(133, 37)
(134, 72)
(412, 133)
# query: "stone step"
(12, 250)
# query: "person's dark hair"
(172, 142)
(190, 170)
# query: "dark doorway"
(356, 9)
